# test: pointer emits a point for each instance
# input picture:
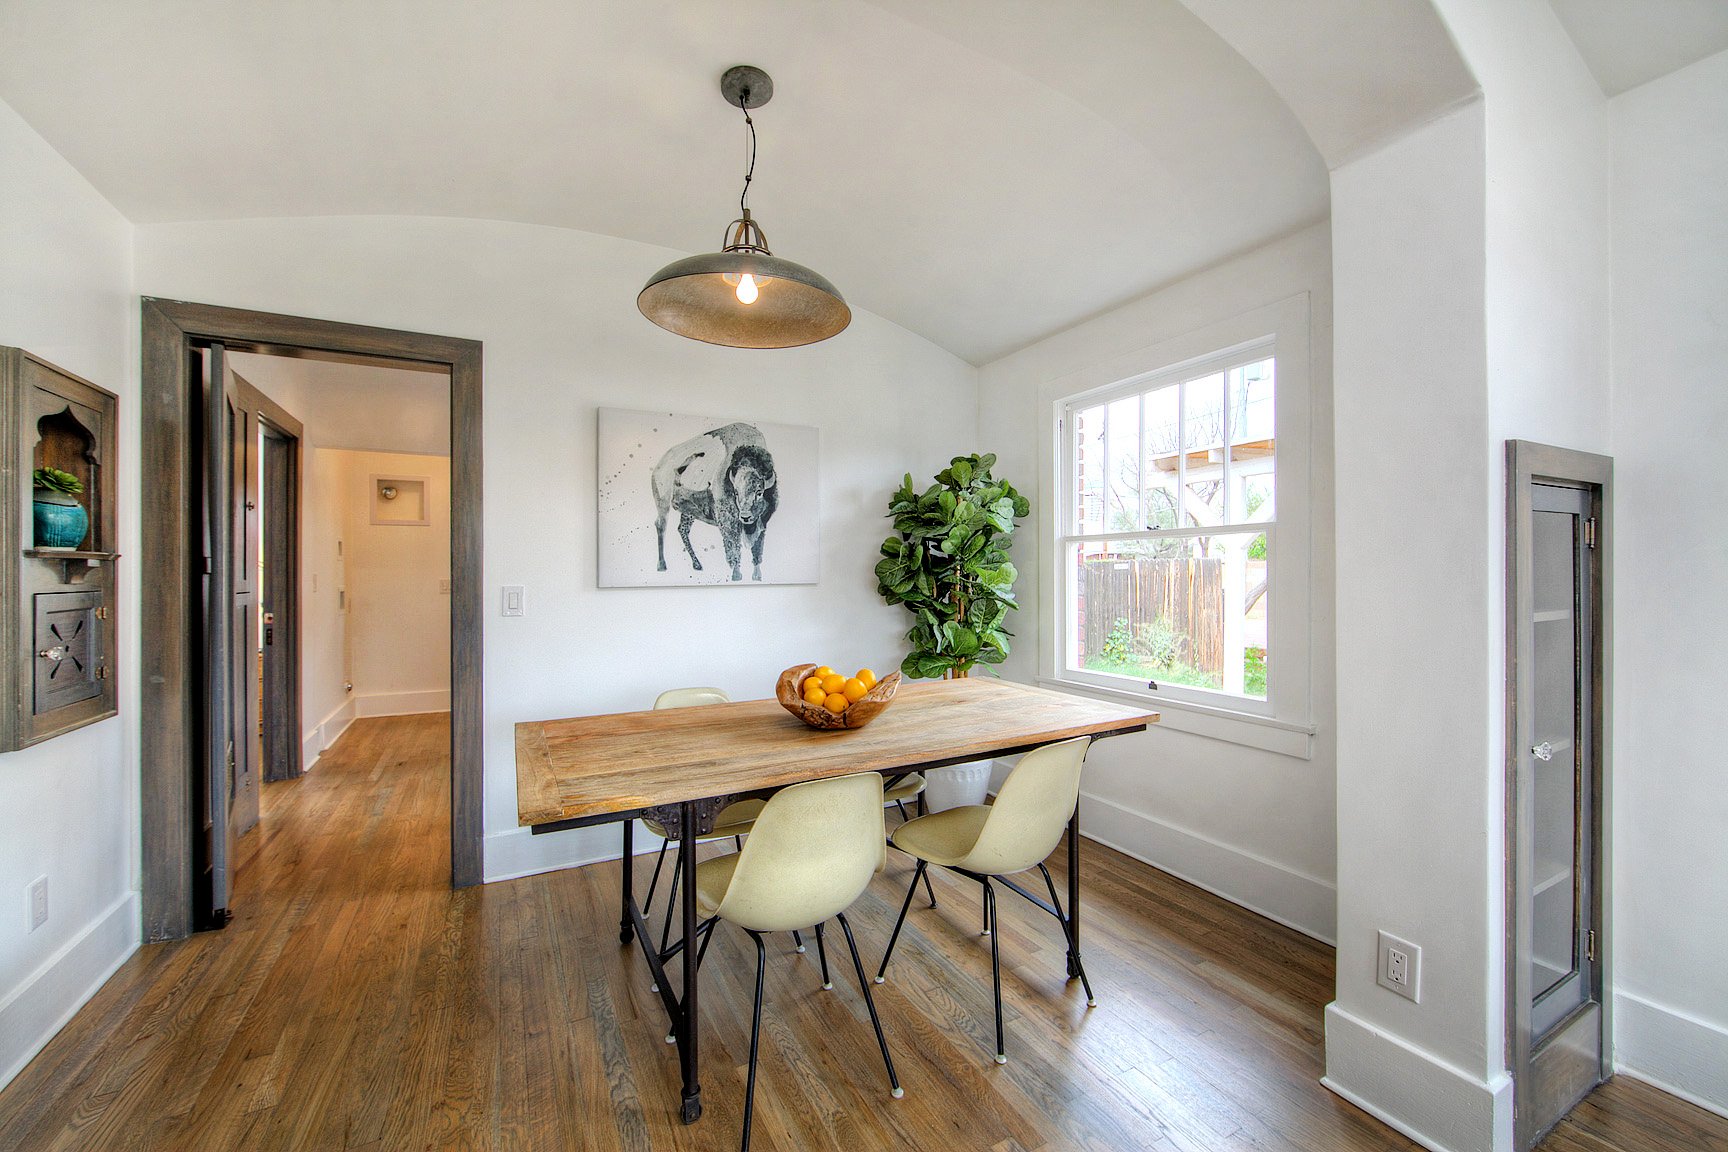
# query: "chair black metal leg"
(738, 843)
(881, 972)
(995, 967)
(901, 804)
(707, 934)
(798, 939)
(654, 880)
(870, 1003)
(755, 1039)
(988, 917)
(928, 891)
(671, 901)
(822, 954)
(1068, 935)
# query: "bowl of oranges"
(824, 698)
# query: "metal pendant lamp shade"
(744, 296)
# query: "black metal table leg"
(627, 868)
(1074, 892)
(687, 1029)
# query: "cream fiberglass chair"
(991, 841)
(812, 853)
(733, 821)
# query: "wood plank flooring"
(358, 1003)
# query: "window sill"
(1267, 733)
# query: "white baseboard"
(1434, 1103)
(1673, 1050)
(402, 703)
(1294, 899)
(518, 852)
(325, 733)
(33, 1012)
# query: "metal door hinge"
(1590, 532)
(102, 672)
(101, 613)
(1590, 945)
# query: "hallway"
(358, 1003)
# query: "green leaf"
(961, 471)
(962, 641)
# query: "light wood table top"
(622, 762)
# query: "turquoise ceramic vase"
(61, 521)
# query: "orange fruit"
(811, 681)
(833, 682)
(836, 702)
(814, 694)
(866, 678)
(853, 689)
(823, 671)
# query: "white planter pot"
(956, 785)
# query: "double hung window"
(1169, 531)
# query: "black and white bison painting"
(738, 494)
(724, 478)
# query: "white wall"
(556, 311)
(1253, 824)
(68, 808)
(1415, 830)
(398, 616)
(1531, 228)
(326, 703)
(1670, 420)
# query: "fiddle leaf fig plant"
(948, 564)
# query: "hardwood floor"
(358, 1003)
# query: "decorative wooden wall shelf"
(57, 625)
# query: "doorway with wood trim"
(198, 621)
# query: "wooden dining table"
(680, 766)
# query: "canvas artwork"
(691, 500)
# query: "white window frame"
(1283, 721)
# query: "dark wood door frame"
(172, 563)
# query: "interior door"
(278, 602)
(244, 656)
(1554, 821)
(214, 867)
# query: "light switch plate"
(515, 600)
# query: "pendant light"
(744, 296)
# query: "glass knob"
(1543, 751)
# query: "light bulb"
(747, 289)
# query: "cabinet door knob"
(56, 653)
(1543, 751)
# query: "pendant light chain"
(750, 172)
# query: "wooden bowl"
(859, 713)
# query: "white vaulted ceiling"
(982, 172)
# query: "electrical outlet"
(38, 902)
(1400, 967)
(444, 587)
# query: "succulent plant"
(56, 481)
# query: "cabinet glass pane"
(1555, 780)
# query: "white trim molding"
(1273, 890)
(37, 1009)
(402, 703)
(1437, 1104)
(1673, 1050)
